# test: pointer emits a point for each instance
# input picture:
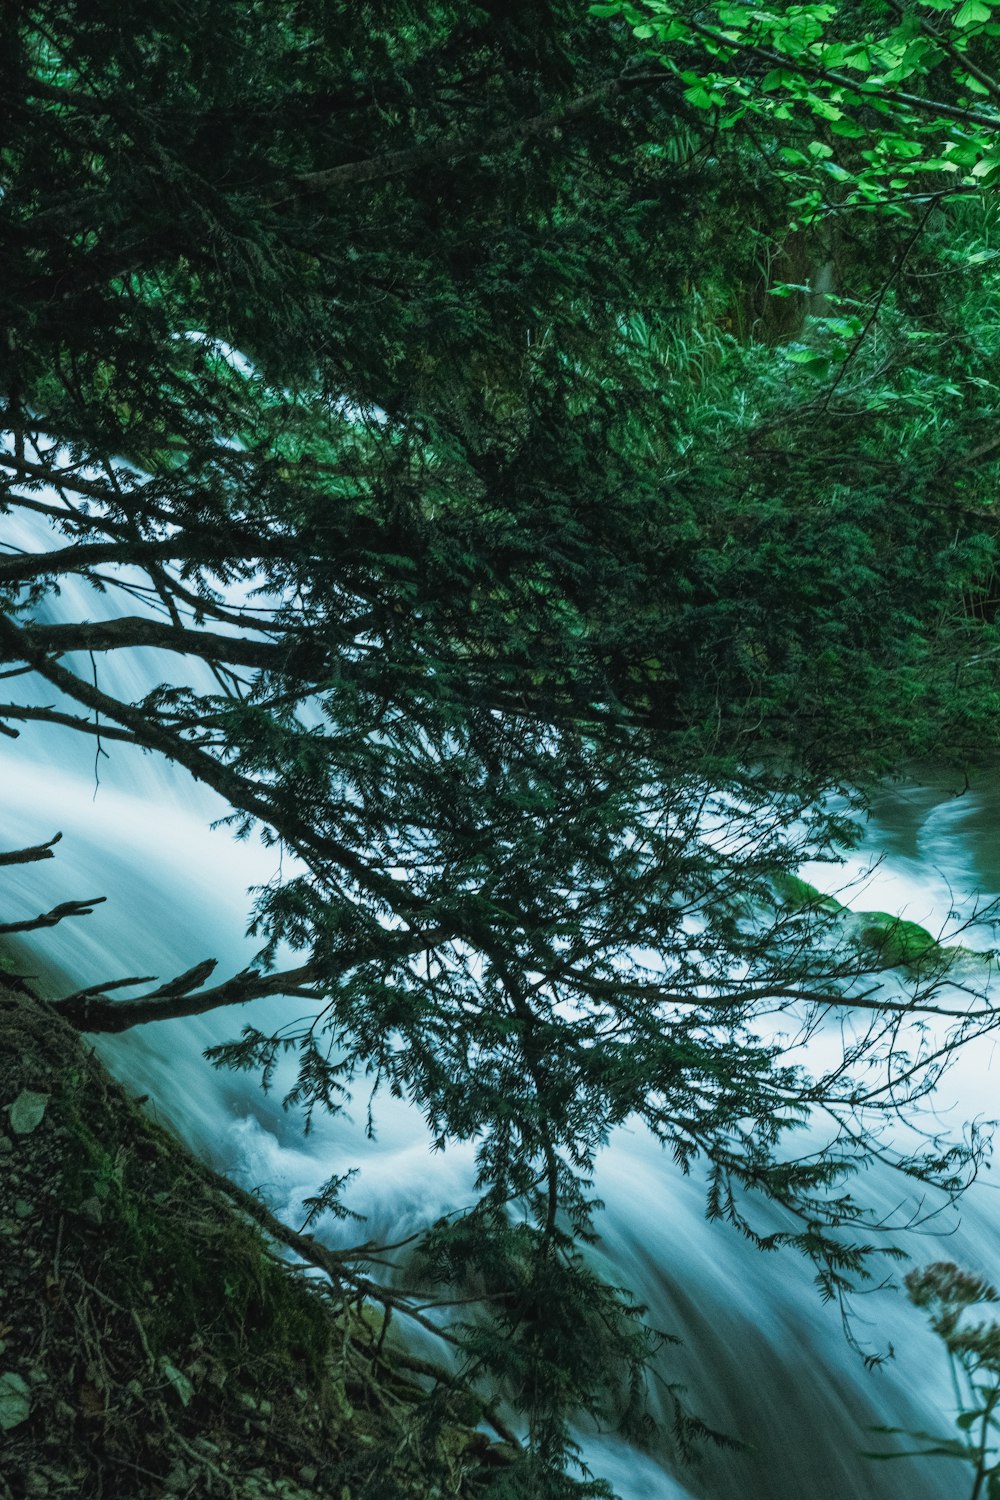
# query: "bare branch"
(91, 1010)
(57, 914)
(110, 984)
(29, 856)
(67, 721)
(191, 979)
(127, 631)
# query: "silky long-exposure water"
(761, 1356)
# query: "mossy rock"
(897, 943)
(900, 944)
(797, 894)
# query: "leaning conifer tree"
(345, 352)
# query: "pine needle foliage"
(400, 374)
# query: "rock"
(898, 943)
(27, 1111)
(15, 1401)
(179, 1381)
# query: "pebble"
(15, 1400)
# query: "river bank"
(152, 1341)
(761, 1357)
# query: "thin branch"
(30, 856)
(416, 158)
(56, 915)
(135, 631)
(66, 721)
(333, 1263)
(877, 308)
(111, 984)
(965, 62)
(860, 87)
(316, 849)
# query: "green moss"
(895, 942)
(898, 943)
(798, 894)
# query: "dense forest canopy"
(555, 506)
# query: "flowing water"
(761, 1356)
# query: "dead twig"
(28, 856)
(56, 915)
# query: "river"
(761, 1356)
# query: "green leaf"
(699, 97)
(848, 127)
(816, 365)
(962, 155)
(972, 13)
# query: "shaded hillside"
(152, 1343)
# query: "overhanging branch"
(56, 915)
(416, 158)
(135, 631)
(29, 856)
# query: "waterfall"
(761, 1356)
